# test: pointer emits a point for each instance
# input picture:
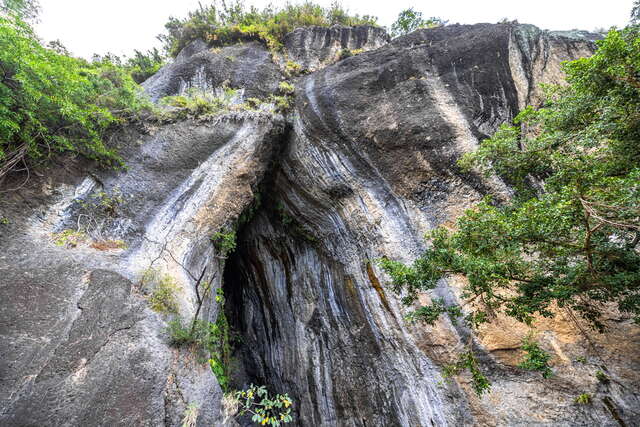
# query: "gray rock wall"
(360, 169)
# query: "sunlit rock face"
(362, 166)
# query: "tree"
(570, 236)
(409, 20)
(635, 13)
(50, 102)
(25, 9)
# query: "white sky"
(119, 26)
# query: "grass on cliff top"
(222, 23)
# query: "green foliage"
(584, 399)
(69, 238)
(287, 88)
(247, 215)
(203, 104)
(535, 359)
(602, 377)
(143, 65)
(140, 66)
(409, 20)
(430, 313)
(4, 220)
(223, 23)
(163, 296)
(467, 362)
(219, 344)
(569, 237)
(212, 340)
(265, 408)
(282, 104)
(581, 359)
(292, 68)
(225, 243)
(102, 203)
(181, 334)
(198, 103)
(346, 53)
(53, 103)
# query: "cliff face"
(360, 169)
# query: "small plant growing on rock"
(584, 399)
(69, 238)
(602, 377)
(536, 359)
(264, 408)
(344, 53)
(163, 297)
(292, 68)
(286, 88)
(282, 103)
(225, 243)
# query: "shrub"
(224, 23)
(602, 377)
(54, 103)
(211, 340)
(344, 53)
(583, 399)
(409, 20)
(144, 64)
(225, 243)
(265, 408)
(196, 103)
(536, 359)
(286, 88)
(292, 68)
(163, 297)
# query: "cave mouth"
(247, 304)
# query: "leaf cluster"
(467, 362)
(536, 359)
(224, 242)
(265, 408)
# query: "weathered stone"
(247, 66)
(365, 165)
(315, 47)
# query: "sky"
(120, 26)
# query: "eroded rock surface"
(360, 169)
(315, 47)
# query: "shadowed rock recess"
(360, 168)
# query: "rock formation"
(360, 169)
